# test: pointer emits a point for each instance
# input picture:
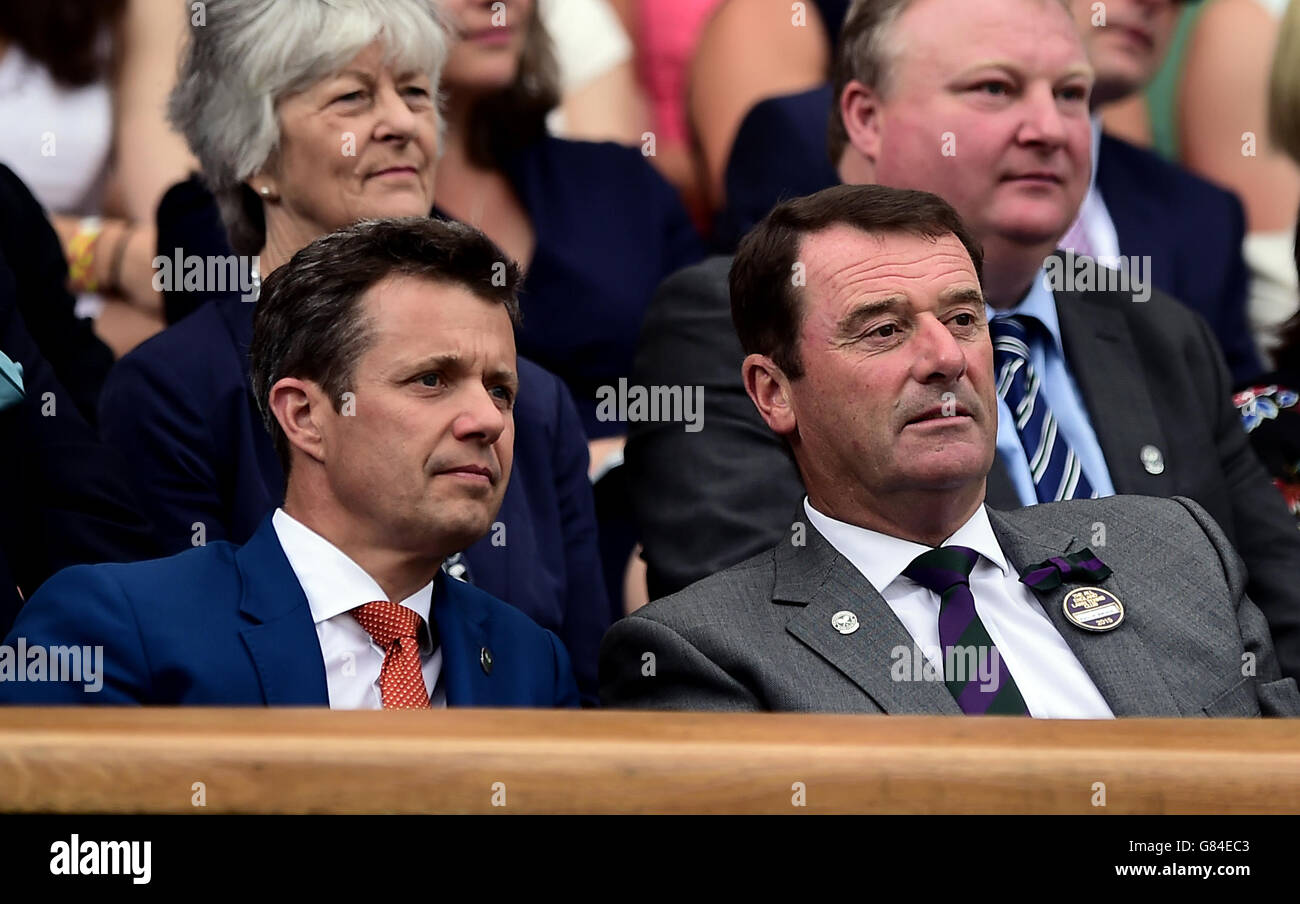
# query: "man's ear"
(299, 406)
(860, 110)
(769, 388)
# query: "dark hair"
(309, 321)
(67, 37)
(505, 121)
(765, 302)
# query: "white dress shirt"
(1052, 681)
(334, 586)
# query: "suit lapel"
(463, 635)
(1117, 661)
(282, 640)
(1100, 351)
(820, 580)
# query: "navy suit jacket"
(181, 410)
(224, 625)
(1191, 230)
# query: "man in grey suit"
(1138, 388)
(869, 353)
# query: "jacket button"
(485, 660)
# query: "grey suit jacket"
(1150, 373)
(758, 636)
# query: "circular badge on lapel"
(844, 621)
(1093, 609)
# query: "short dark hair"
(309, 322)
(765, 301)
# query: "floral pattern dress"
(1271, 417)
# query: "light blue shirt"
(1062, 394)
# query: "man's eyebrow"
(961, 295)
(455, 363)
(1012, 68)
(851, 323)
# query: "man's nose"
(939, 356)
(1042, 120)
(481, 416)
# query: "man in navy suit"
(1138, 204)
(180, 409)
(384, 366)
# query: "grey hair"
(245, 56)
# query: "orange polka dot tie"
(396, 629)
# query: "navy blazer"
(223, 625)
(1192, 230)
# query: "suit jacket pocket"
(1238, 702)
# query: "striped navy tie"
(1054, 466)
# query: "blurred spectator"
(593, 225)
(1206, 109)
(82, 90)
(268, 96)
(750, 50)
(1270, 406)
(68, 343)
(66, 500)
(666, 36)
(599, 96)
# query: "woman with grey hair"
(307, 115)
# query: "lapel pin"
(1152, 460)
(485, 660)
(1093, 609)
(844, 621)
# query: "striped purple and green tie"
(965, 641)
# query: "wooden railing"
(529, 761)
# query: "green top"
(1162, 92)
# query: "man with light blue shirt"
(898, 590)
(1103, 388)
(1155, 222)
(383, 363)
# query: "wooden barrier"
(473, 761)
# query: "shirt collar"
(332, 582)
(1040, 304)
(881, 558)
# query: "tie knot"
(1010, 327)
(386, 622)
(942, 568)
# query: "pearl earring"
(266, 191)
